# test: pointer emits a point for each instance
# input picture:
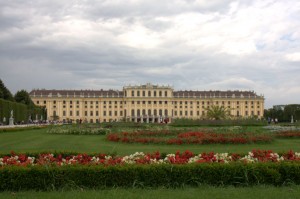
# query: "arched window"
(160, 112)
(166, 112)
(138, 112)
(149, 111)
(132, 112)
(144, 112)
(155, 112)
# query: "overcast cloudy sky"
(189, 44)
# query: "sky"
(188, 44)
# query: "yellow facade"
(144, 103)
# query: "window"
(166, 112)
(149, 111)
(186, 102)
(116, 102)
(85, 113)
(77, 113)
(180, 113)
(144, 93)
(64, 102)
(91, 113)
(175, 112)
(64, 113)
(132, 102)
(160, 93)
(121, 113)
(198, 113)
(104, 113)
(77, 102)
(97, 113)
(258, 113)
(160, 112)
(132, 112)
(149, 93)
(166, 102)
(149, 102)
(71, 113)
(237, 113)
(44, 102)
(160, 102)
(166, 93)
(186, 113)
(132, 93)
(154, 93)
(191, 113)
(110, 113)
(138, 93)
(71, 102)
(246, 113)
(116, 113)
(54, 102)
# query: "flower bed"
(188, 138)
(74, 130)
(288, 134)
(141, 158)
(55, 172)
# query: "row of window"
(138, 93)
(143, 112)
(154, 102)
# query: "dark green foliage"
(236, 174)
(23, 97)
(185, 122)
(285, 114)
(5, 93)
(21, 112)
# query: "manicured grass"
(39, 140)
(202, 192)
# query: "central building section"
(148, 103)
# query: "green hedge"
(237, 174)
(21, 112)
(185, 122)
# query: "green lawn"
(202, 192)
(39, 140)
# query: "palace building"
(143, 103)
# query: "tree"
(217, 112)
(5, 93)
(23, 97)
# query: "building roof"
(117, 93)
(76, 93)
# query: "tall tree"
(23, 97)
(5, 93)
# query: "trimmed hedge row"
(21, 111)
(186, 122)
(237, 174)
